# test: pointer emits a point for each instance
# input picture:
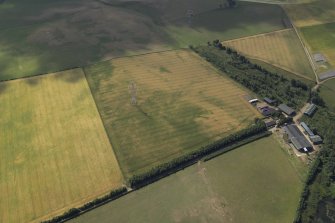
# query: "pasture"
(49, 35)
(321, 39)
(315, 12)
(255, 183)
(282, 49)
(55, 153)
(327, 92)
(182, 103)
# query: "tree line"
(74, 212)
(174, 165)
(264, 83)
(320, 183)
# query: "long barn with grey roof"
(326, 75)
(296, 137)
(307, 129)
(310, 109)
(286, 109)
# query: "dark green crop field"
(49, 36)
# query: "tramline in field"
(55, 154)
(182, 103)
(281, 48)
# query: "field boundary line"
(68, 207)
(318, 24)
(258, 35)
(39, 74)
(283, 68)
(272, 3)
(304, 47)
(328, 79)
(90, 64)
(237, 145)
(191, 163)
(103, 123)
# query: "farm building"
(266, 110)
(306, 128)
(269, 101)
(253, 101)
(296, 137)
(269, 123)
(316, 139)
(319, 58)
(327, 75)
(286, 109)
(310, 109)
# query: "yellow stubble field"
(55, 153)
(281, 48)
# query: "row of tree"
(165, 169)
(74, 212)
(320, 183)
(264, 83)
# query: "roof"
(292, 131)
(301, 143)
(253, 100)
(269, 100)
(296, 137)
(267, 111)
(327, 75)
(270, 123)
(286, 109)
(316, 139)
(307, 129)
(310, 109)
(318, 57)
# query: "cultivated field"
(281, 1)
(327, 91)
(285, 73)
(182, 104)
(312, 13)
(48, 35)
(255, 183)
(282, 49)
(321, 39)
(207, 26)
(55, 153)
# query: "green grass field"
(321, 39)
(255, 183)
(327, 92)
(49, 35)
(182, 104)
(312, 13)
(282, 49)
(55, 153)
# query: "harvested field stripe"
(282, 49)
(55, 153)
(168, 120)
